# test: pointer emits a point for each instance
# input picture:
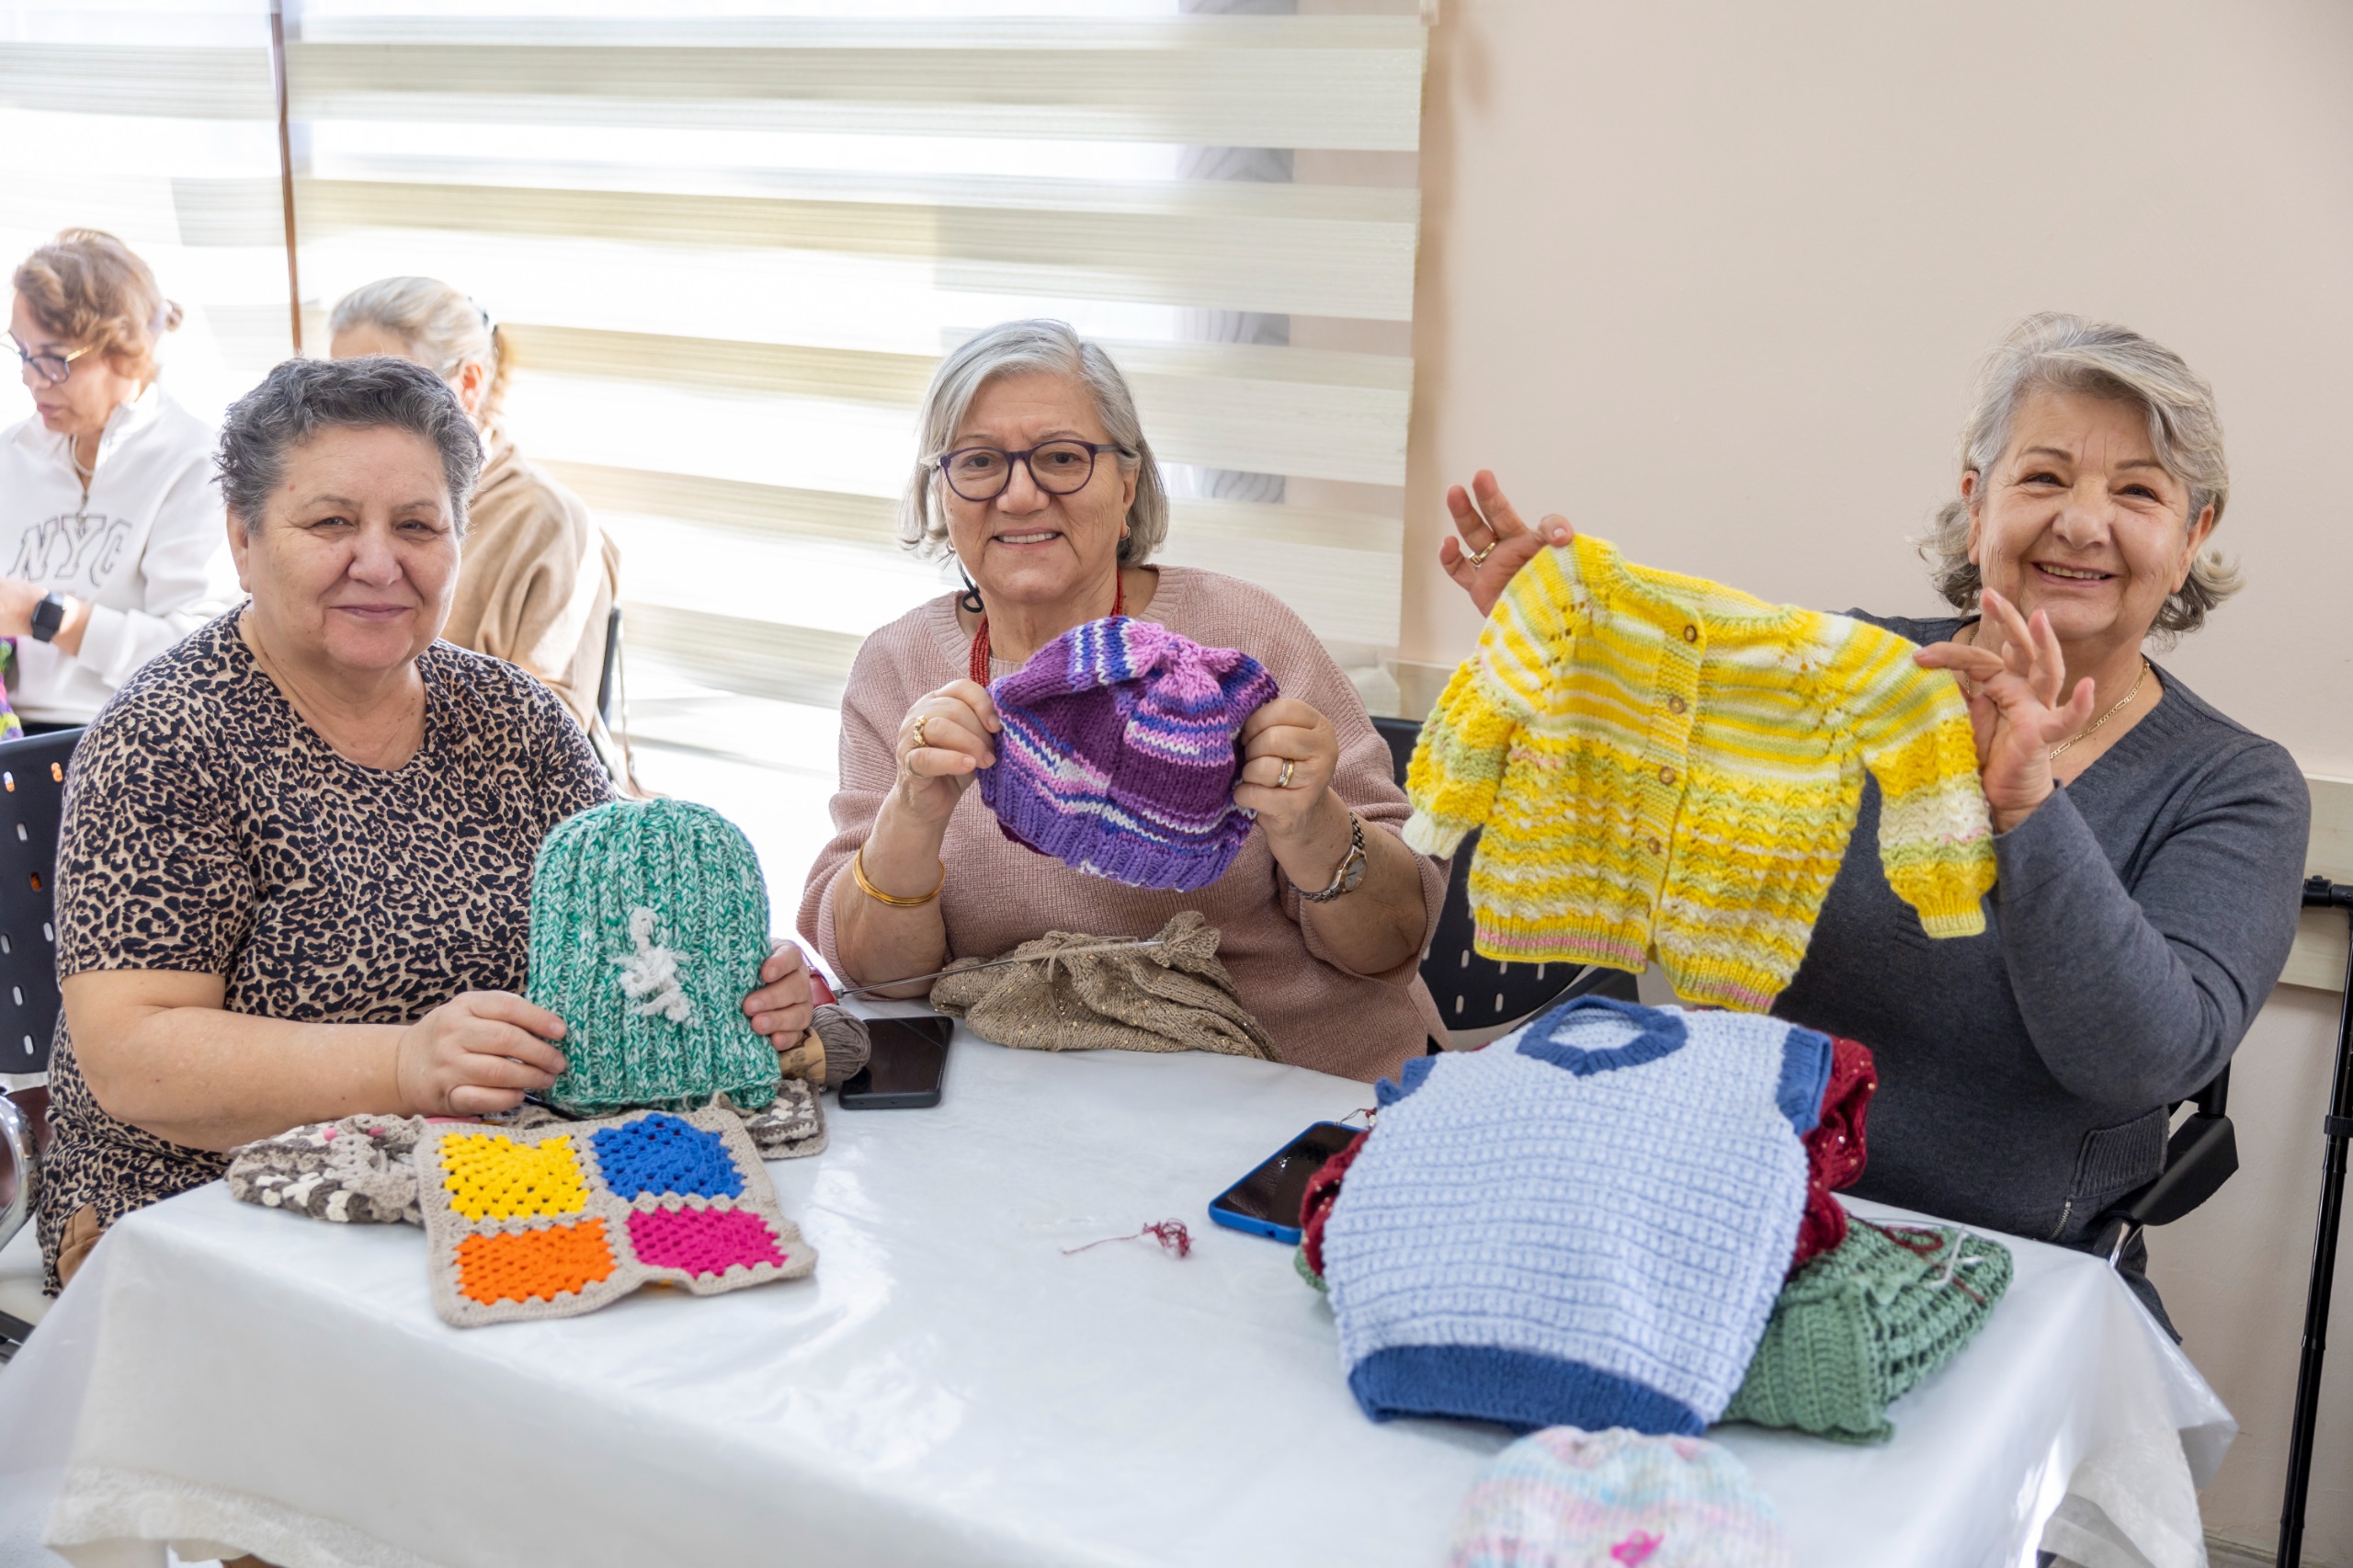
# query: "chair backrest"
(1480, 998)
(32, 801)
(608, 681)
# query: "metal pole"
(285, 167)
(2337, 1131)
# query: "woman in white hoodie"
(112, 538)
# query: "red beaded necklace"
(980, 670)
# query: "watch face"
(1355, 873)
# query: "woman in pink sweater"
(1054, 509)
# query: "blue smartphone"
(1266, 1201)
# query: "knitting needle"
(1138, 943)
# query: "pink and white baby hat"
(1562, 1498)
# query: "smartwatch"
(48, 615)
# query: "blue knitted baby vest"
(1582, 1225)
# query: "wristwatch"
(1351, 872)
(48, 615)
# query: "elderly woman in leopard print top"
(294, 875)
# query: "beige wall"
(1712, 279)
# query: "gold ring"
(921, 720)
(1478, 557)
(1282, 779)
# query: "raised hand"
(1494, 544)
(2012, 677)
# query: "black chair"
(2200, 1155)
(32, 799)
(1480, 998)
(608, 682)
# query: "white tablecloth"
(949, 1388)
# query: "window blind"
(727, 251)
(155, 120)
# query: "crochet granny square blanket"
(563, 1218)
(362, 1170)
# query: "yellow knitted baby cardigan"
(1658, 761)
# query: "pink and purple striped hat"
(1119, 753)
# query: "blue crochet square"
(661, 1153)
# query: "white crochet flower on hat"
(650, 975)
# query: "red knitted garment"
(1833, 1150)
(1323, 1188)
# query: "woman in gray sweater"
(2149, 849)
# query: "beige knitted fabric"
(354, 1171)
(1175, 997)
(565, 1217)
(792, 1125)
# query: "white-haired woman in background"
(2150, 849)
(1034, 473)
(112, 543)
(538, 583)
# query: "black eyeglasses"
(52, 368)
(1058, 468)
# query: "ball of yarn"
(846, 1043)
(648, 924)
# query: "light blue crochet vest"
(1584, 1225)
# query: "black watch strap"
(48, 615)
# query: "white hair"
(1021, 347)
(442, 327)
(2064, 353)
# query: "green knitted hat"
(1860, 1327)
(649, 924)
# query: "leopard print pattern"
(206, 828)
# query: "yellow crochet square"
(490, 1176)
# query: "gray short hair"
(444, 329)
(2064, 353)
(299, 398)
(1020, 348)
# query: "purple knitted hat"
(1119, 752)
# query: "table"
(950, 1388)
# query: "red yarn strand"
(1170, 1234)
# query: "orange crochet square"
(534, 1265)
(491, 1177)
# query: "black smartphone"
(910, 1057)
(1265, 1202)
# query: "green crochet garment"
(1861, 1325)
(649, 924)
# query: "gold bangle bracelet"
(891, 900)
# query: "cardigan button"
(1675, 705)
(1666, 776)
(1690, 634)
(1654, 844)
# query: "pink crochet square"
(702, 1241)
